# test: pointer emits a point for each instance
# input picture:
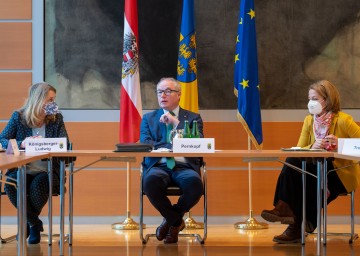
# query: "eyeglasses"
(167, 92)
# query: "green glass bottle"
(195, 130)
(187, 133)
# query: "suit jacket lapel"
(183, 115)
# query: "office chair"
(352, 234)
(3, 193)
(174, 191)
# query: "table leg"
(303, 202)
(324, 202)
(62, 204)
(318, 195)
(71, 202)
(21, 203)
(50, 214)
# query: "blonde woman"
(39, 117)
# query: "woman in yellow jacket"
(321, 130)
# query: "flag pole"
(130, 98)
(251, 223)
(187, 74)
(128, 223)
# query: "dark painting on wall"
(299, 42)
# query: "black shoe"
(35, 236)
(162, 230)
(173, 233)
(310, 227)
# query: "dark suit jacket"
(154, 133)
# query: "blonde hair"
(330, 93)
(32, 110)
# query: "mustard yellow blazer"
(342, 126)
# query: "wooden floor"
(101, 240)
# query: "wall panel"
(13, 91)
(15, 9)
(15, 45)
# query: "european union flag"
(246, 81)
(186, 68)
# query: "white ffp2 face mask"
(314, 107)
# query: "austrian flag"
(130, 97)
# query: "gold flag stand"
(128, 223)
(190, 223)
(251, 223)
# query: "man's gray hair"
(176, 82)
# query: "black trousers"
(159, 177)
(289, 189)
(37, 190)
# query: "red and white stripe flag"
(130, 99)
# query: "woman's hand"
(318, 144)
(331, 142)
(23, 143)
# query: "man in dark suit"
(159, 173)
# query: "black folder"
(133, 147)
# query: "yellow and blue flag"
(246, 81)
(186, 68)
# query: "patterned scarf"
(322, 125)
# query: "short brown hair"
(330, 93)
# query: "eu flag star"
(245, 83)
(251, 13)
(237, 58)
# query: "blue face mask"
(51, 108)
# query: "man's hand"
(169, 119)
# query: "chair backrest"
(173, 191)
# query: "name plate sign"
(39, 145)
(201, 145)
(13, 147)
(349, 146)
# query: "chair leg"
(202, 241)
(353, 235)
(7, 239)
(10, 238)
(142, 238)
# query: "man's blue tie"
(170, 161)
